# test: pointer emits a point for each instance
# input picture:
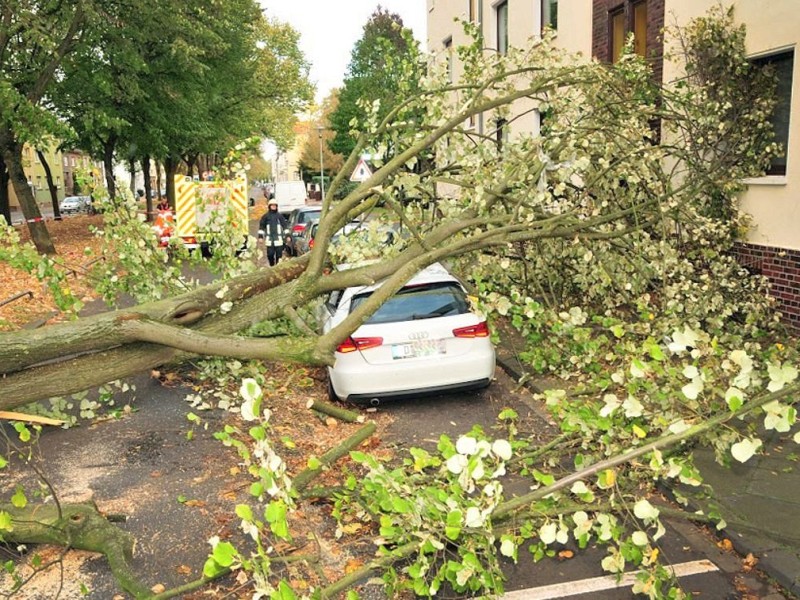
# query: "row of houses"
(599, 29)
(63, 167)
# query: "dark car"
(305, 242)
(298, 219)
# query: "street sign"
(362, 172)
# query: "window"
(783, 64)
(622, 22)
(502, 27)
(412, 303)
(448, 56)
(617, 34)
(66, 160)
(474, 11)
(549, 14)
(640, 28)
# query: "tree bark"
(11, 150)
(109, 146)
(5, 200)
(50, 184)
(148, 187)
(170, 167)
(79, 526)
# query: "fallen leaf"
(565, 554)
(749, 562)
(331, 422)
(353, 565)
(352, 528)
(158, 589)
(725, 544)
(184, 570)
(197, 503)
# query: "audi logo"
(418, 335)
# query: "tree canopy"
(384, 66)
(168, 80)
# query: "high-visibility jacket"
(271, 228)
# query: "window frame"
(778, 173)
(548, 15)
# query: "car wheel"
(331, 392)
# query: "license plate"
(418, 348)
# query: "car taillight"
(473, 331)
(311, 243)
(352, 344)
(298, 229)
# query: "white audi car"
(423, 340)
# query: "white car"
(423, 340)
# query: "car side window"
(332, 303)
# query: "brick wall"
(782, 267)
(655, 23)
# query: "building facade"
(63, 166)
(599, 28)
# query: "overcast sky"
(329, 29)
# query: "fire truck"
(198, 207)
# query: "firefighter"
(271, 229)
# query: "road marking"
(607, 582)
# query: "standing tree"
(35, 37)
(383, 68)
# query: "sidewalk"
(760, 500)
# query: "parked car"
(425, 339)
(298, 219)
(305, 242)
(75, 204)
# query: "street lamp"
(320, 129)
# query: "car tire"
(332, 397)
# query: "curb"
(778, 564)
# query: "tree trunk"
(159, 184)
(50, 184)
(132, 171)
(108, 165)
(11, 150)
(170, 166)
(79, 526)
(5, 200)
(148, 187)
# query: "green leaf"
(313, 463)
(358, 457)
(285, 592)
(224, 554)
(211, 568)
(244, 512)
(23, 431)
(3, 462)
(182, 499)
(508, 414)
(18, 499)
(5, 521)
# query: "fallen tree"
(593, 215)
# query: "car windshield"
(418, 302)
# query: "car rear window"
(304, 217)
(411, 303)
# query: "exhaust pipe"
(374, 402)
